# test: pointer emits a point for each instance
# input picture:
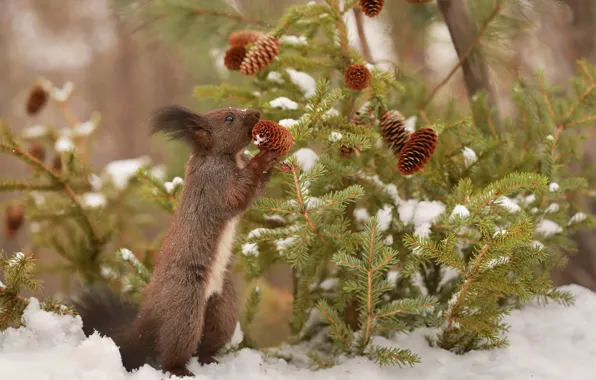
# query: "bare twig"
(474, 84)
(362, 35)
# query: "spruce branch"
(86, 224)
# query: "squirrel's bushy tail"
(102, 310)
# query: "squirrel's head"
(224, 130)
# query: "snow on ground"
(550, 342)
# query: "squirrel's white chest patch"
(221, 258)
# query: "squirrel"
(189, 305)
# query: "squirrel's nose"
(253, 116)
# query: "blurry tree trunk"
(582, 266)
(464, 35)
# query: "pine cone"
(347, 152)
(38, 151)
(57, 165)
(371, 8)
(38, 97)
(13, 221)
(234, 57)
(417, 151)
(270, 136)
(261, 55)
(393, 131)
(357, 77)
(243, 38)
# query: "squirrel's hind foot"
(180, 372)
(203, 360)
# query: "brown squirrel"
(189, 305)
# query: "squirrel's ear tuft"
(178, 122)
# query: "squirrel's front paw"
(263, 161)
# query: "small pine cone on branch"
(57, 165)
(234, 57)
(38, 151)
(417, 151)
(13, 220)
(38, 97)
(347, 152)
(243, 38)
(270, 136)
(357, 77)
(393, 131)
(264, 51)
(371, 8)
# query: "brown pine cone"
(57, 165)
(371, 8)
(13, 220)
(243, 38)
(38, 98)
(347, 152)
(417, 151)
(270, 136)
(261, 55)
(38, 151)
(234, 57)
(357, 77)
(392, 130)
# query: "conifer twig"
(464, 56)
(85, 221)
(366, 52)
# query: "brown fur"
(177, 318)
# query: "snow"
(172, 185)
(335, 136)
(259, 139)
(549, 342)
(392, 276)
(304, 81)
(577, 218)
(282, 244)
(460, 211)
(361, 214)
(421, 214)
(538, 245)
(553, 187)
(553, 207)
(84, 128)
(288, 123)
(274, 76)
(294, 40)
(384, 216)
(548, 228)
(250, 249)
(284, 103)
(122, 171)
(63, 94)
(306, 158)
(508, 204)
(127, 254)
(35, 131)
(550, 137)
(18, 257)
(64, 144)
(329, 284)
(410, 124)
(470, 157)
(94, 200)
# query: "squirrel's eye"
(229, 119)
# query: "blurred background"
(124, 69)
